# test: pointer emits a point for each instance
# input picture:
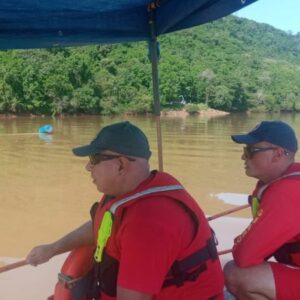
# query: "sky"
(281, 14)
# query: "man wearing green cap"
(151, 240)
(269, 155)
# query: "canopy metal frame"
(153, 49)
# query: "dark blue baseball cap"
(124, 138)
(275, 132)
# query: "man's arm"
(277, 222)
(81, 236)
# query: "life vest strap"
(181, 278)
(285, 252)
(179, 269)
(197, 258)
(293, 247)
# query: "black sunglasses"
(250, 151)
(98, 157)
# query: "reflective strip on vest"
(104, 233)
(255, 203)
(264, 187)
(105, 228)
(153, 190)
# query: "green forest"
(232, 64)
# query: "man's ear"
(123, 164)
(279, 153)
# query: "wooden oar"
(13, 266)
(224, 213)
(225, 251)
(227, 212)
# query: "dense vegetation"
(232, 64)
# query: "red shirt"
(276, 224)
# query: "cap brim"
(85, 150)
(244, 139)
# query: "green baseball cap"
(124, 138)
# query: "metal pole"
(153, 49)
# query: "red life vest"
(90, 282)
(286, 252)
(189, 268)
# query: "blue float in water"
(46, 129)
(46, 137)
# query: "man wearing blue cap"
(151, 240)
(269, 154)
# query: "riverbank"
(169, 113)
(30, 283)
(183, 113)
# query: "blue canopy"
(48, 23)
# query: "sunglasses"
(98, 157)
(250, 151)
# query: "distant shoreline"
(183, 113)
(170, 113)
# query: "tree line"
(232, 64)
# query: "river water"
(45, 190)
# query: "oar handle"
(227, 212)
(13, 266)
(224, 251)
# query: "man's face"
(104, 170)
(258, 159)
